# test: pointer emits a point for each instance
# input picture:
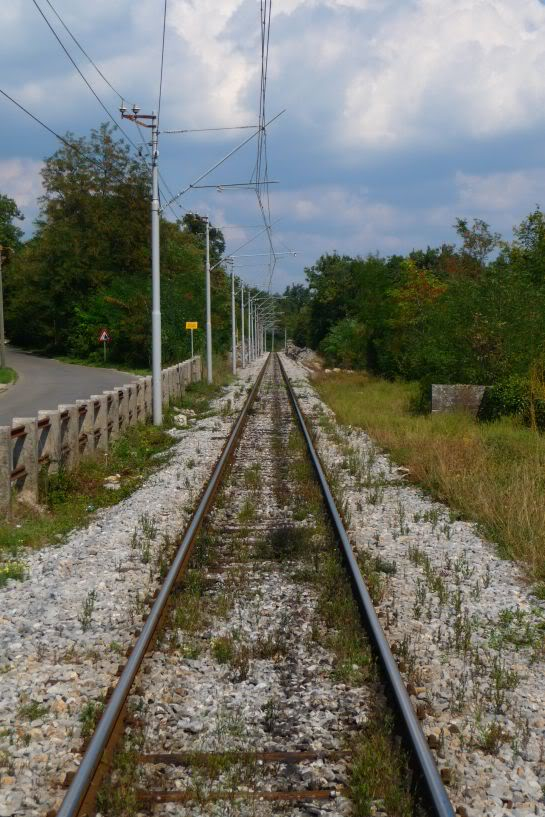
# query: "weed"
(90, 716)
(248, 511)
(492, 737)
(380, 772)
(86, 615)
(32, 711)
(11, 570)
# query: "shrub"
(345, 344)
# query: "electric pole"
(2, 337)
(157, 390)
(233, 320)
(242, 350)
(208, 306)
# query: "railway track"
(252, 688)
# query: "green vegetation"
(443, 315)
(87, 266)
(491, 473)
(8, 375)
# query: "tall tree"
(10, 233)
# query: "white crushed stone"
(455, 594)
(46, 656)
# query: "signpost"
(191, 325)
(104, 338)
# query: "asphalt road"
(43, 384)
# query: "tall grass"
(491, 473)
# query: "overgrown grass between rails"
(490, 473)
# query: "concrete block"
(457, 397)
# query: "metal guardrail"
(80, 795)
(433, 789)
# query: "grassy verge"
(68, 498)
(491, 473)
(100, 363)
(7, 375)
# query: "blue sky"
(401, 115)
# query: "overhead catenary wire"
(82, 49)
(162, 62)
(72, 145)
(117, 126)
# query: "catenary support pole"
(233, 320)
(208, 308)
(250, 352)
(157, 396)
(2, 337)
(285, 339)
(242, 339)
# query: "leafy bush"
(345, 344)
(513, 397)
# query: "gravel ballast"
(65, 629)
(466, 631)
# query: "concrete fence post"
(139, 401)
(49, 440)
(25, 457)
(69, 435)
(86, 436)
(112, 413)
(164, 387)
(131, 392)
(99, 402)
(5, 471)
(123, 408)
(147, 396)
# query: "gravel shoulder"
(65, 629)
(466, 631)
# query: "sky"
(400, 115)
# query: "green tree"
(10, 233)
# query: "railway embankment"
(467, 631)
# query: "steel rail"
(433, 789)
(76, 799)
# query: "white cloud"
(20, 179)
(436, 71)
(509, 191)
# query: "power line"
(71, 145)
(81, 48)
(84, 78)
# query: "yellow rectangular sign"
(191, 325)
